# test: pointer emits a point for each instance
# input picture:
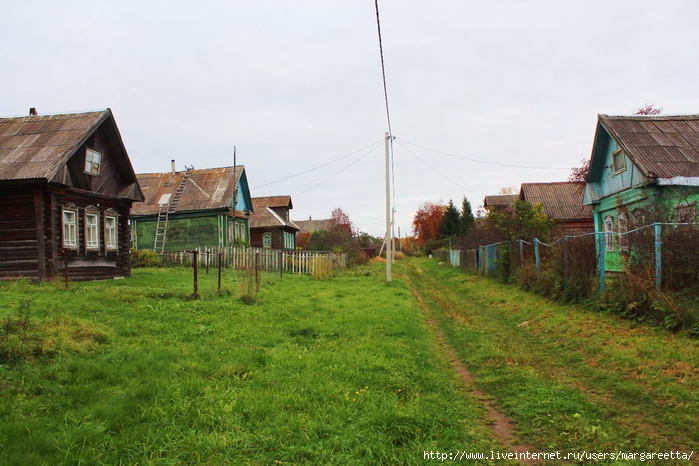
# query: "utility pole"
(389, 254)
(235, 197)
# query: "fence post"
(281, 263)
(536, 256)
(601, 261)
(565, 262)
(220, 266)
(195, 253)
(521, 253)
(208, 253)
(658, 256)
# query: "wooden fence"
(301, 262)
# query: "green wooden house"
(643, 169)
(192, 208)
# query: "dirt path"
(502, 426)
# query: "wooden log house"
(66, 189)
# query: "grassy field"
(341, 371)
(569, 378)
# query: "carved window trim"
(69, 226)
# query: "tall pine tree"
(466, 221)
(450, 222)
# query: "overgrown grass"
(335, 371)
(570, 378)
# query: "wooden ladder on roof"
(164, 211)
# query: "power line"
(320, 166)
(339, 171)
(383, 68)
(485, 161)
(437, 171)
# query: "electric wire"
(383, 68)
(320, 166)
(437, 171)
(485, 161)
(339, 171)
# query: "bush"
(141, 258)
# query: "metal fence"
(666, 251)
(271, 260)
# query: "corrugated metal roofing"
(661, 146)
(500, 200)
(210, 188)
(34, 147)
(561, 200)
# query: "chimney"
(32, 111)
(173, 166)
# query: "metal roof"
(315, 225)
(209, 188)
(500, 200)
(561, 200)
(35, 147)
(662, 146)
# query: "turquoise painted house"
(192, 208)
(643, 169)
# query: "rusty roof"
(561, 200)
(265, 216)
(209, 188)
(500, 200)
(35, 147)
(662, 146)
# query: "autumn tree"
(648, 109)
(525, 221)
(426, 223)
(579, 174)
(342, 220)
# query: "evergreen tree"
(451, 221)
(466, 220)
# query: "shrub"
(141, 258)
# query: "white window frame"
(618, 168)
(609, 233)
(93, 162)
(111, 234)
(92, 228)
(69, 227)
(623, 227)
(267, 240)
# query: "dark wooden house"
(562, 201)
(66, 189)
(270, 226)
(193, 208)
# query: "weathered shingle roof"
(35, 147)
(210, 188)
(501, 200)
(662, 146)
(266, 217)
(561, 200)
(315, 225)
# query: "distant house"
(499, 203)
(192, 208)
(309, 226)
(640, 167)
(562, 201)
(270, 226)
(66, 189)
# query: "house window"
(110, 231)
(686, 212)
(70, 228)
(619, 161)
(93, 160)
(608, 233)
(623, 227)
(267, 240)
(92, 232)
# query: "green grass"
(136, 371)
(571, 379)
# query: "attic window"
(619, 161)
(93, 160)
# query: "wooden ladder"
(164, 211)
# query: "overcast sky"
(295, 85)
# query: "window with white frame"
(70, 227)
(609, 233)
(619, 161)
(623, 227)
(92, 229)
(93, 162)
(111, 221)
(267, 240)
